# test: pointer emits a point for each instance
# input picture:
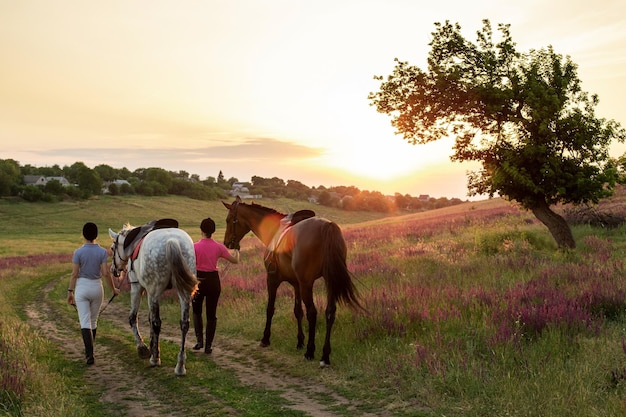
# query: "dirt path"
(116, 381)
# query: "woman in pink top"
(208, 252)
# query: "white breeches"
(88, 295)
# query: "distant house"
(119, 183)
(240, 189)
(64, 182)
(41, 181)
(35, 180)
(424, 197)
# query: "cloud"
(239, 155)
(257, 149)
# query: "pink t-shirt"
(208, 252)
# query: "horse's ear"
(238, 199)
(226, 205)
(112, 234)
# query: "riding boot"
(88, 341)
(210, 334)
(197, 326)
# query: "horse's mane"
(267, 210)
(127, 227)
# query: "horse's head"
(120, 259)
(235, 228)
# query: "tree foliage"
(523, 116)
(9, 176)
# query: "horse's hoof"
(155, 362)
(180, 371)
(308, 356)
(263, 344)
(143, 351)
(324, 364)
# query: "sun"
(384, 160)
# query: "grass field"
(471, 310)
(28, 228)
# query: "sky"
(269, 88)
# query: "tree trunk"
(558, 227)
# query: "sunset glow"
(274, 88)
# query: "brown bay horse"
(299, 249)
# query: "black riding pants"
(210, 288)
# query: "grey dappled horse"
(163, 258)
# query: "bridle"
(234, 244)
(116, 254)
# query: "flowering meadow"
(471, 313)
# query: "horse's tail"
(339, 283)
(184, 280)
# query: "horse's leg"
(184, 328)
(272, 287)
(331, 308)
(155, 330)
(136, 291)
(297, 311)
(306, 291)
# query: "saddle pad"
(136, 250)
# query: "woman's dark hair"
(208, 226)
(90, 231)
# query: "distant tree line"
(87, 182)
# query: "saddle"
(299, 215)
(138, 233)
(286, 223)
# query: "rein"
(234, 244)
(106, 305)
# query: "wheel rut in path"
(132, 394)
(108, 375)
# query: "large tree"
(523, 116)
